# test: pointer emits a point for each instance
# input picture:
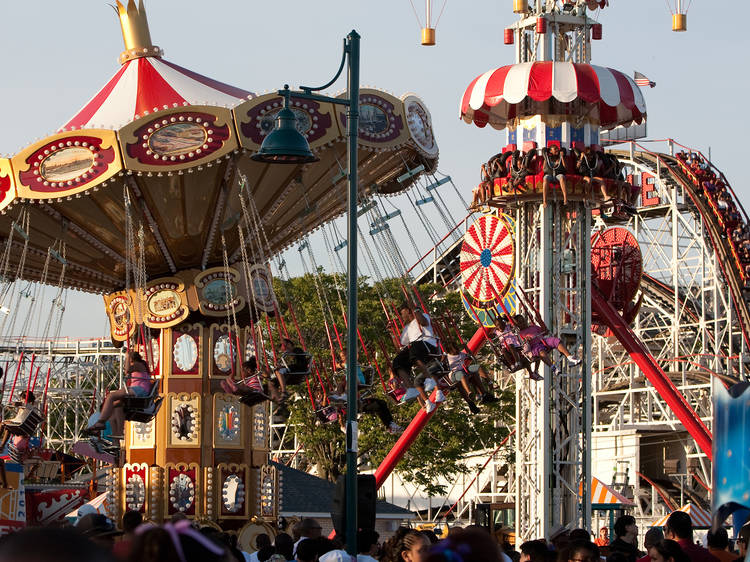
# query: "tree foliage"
(452, 432)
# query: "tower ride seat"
(143, 408)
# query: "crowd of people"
(515, 172)
(95, 538)
(716, 193)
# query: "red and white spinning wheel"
(487, 258)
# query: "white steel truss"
(80, 371)
(553, 425)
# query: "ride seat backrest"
(510, 148)
(529, 145)
(578, 145)
(536, 163)
(570, 162)
(143, 408)
(25, 422)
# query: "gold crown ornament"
(135, 33)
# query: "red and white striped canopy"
(148, 84)
(609, 96)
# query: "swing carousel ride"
(149, 196)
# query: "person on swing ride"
(296, 362)
(554, 171)
(511, 347)
(250, 384)
(458, 373)
(369, 404)
(538, 346)
(139, 383)
(419, 343)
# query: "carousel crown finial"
(135, 32)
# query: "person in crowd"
(284, 545)
(407, 545)
(534, 551)
(626, 538)
(652, 536)
(718, 545)
(743, 537)
(263, 548)
(554, 171)
(295, 363)
(603, 538)
(49, 544)
(667, 551)
(419, 341)
(468, 545)
(306, 552)
(98, 528)
(580, 535)
(367, 545)
(539, 346)
(131, 520)
(138, 383)
(308, 528)
(175, 542)
(582, 550)
(679, 528)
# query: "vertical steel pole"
(352, 122)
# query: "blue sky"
(58, 54)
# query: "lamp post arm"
(308, 89)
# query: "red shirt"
(695, 552)
(121, 549)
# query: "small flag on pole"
(641, 80)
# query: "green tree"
(452, 432)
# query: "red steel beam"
(654, 373)
(411, 433)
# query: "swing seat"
(436, 368)
(253, 398)
(327, 414)
(142, 409)
(25, 422)
(292, 378)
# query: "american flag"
(641, 80)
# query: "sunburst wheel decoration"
(487, 258)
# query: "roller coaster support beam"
(654, 373)
(411, 433)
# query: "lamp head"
(285, 144)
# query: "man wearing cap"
(679, 528)
(309, 528)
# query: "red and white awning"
(603, 494)
(148, 84)
(610, 97)
(700, 518)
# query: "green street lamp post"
(285, 145)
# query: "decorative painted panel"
(186, 350)
(182, 491)
(184, 419)
(141, 435)
(136, 487)
(232, 489)
(229, 421)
